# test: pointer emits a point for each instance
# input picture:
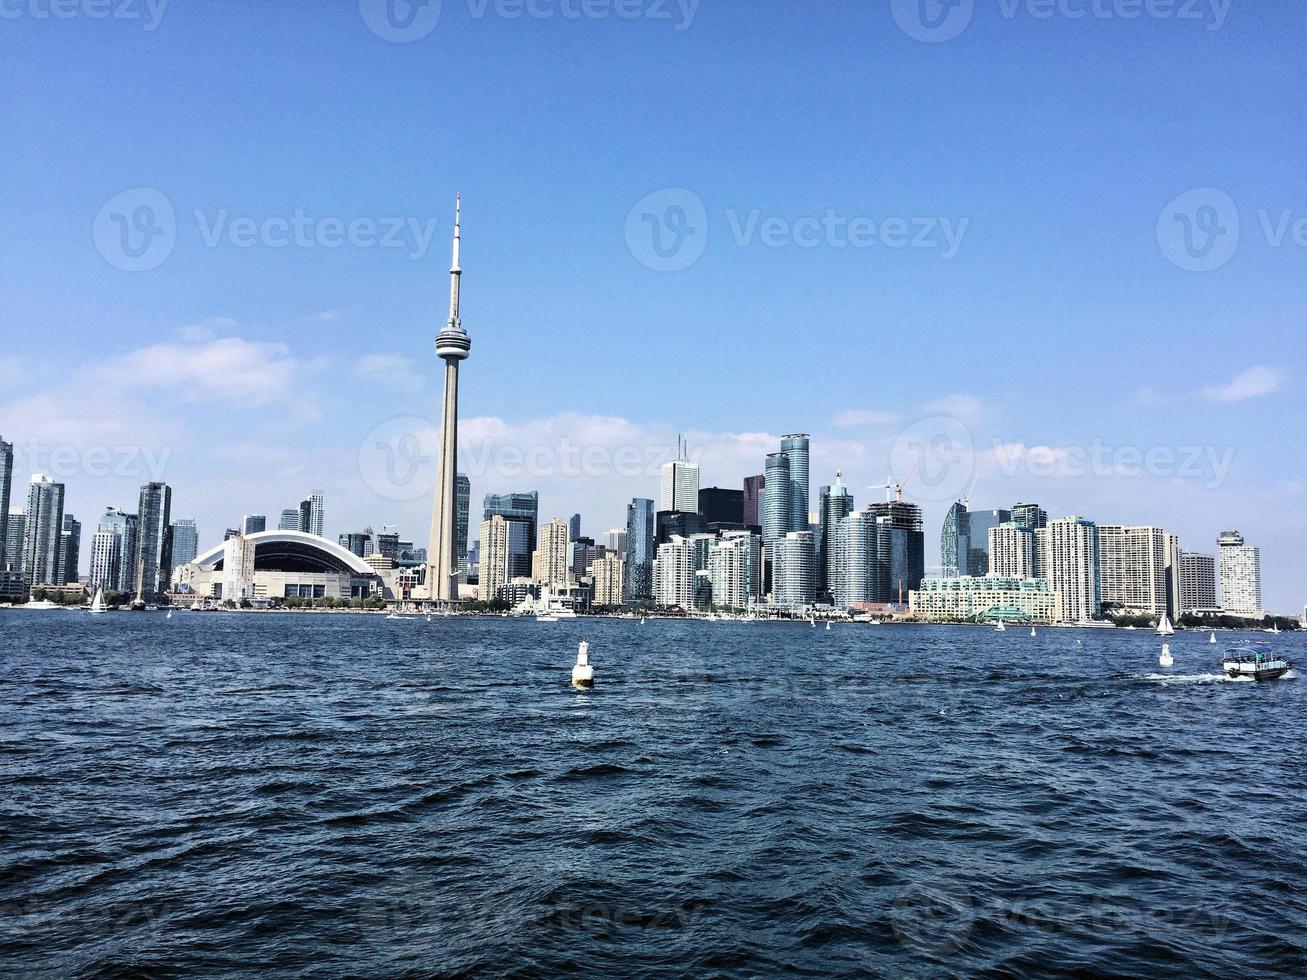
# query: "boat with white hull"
(1259, 667)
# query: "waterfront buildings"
(680, 487)
(6, 488)
(608, 573)
(356, 542)
(992, 597)
(777, 501)
(250, 524)
(290, 520)
(42, 528)
(550, 560)
(901, 548)
(834, 504)
(1012, 550)
(964, 539)
(521, 512)
(953, 540)
(1030, 515)
(186, 540)
(735, 570)
(1198, 583)
(671, 522)
(113, 552)
(1068, 560)
(1241, 575)
(238, 568)
(794, 570)
(1139, 570)
(674, 574)
(15, 526)
(753, 488)
(615, 541)
(453, 347)
(979, 523)
(271, 565)
(640, 553)
(153, 558)
(495, 557)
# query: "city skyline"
(294, 363)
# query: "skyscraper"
(777, 501)
(494, 557)
(290, 520)
(6, 485)
(15, 525)
(953, 541)
(900, 548)
(639, 550)
(615, 541)
(794, 571)
(356, 542)
(718, 505)
(106, 558)
(114, 548)
(680, 487)
(70, 551)
(835, 503)
(1198, 583)
(676, 573)
(608, 574)
(753, 487)
(154, 539)
(522, 513)
(1012, 550)
(452, 346)
(551, 564)
(186, 541)
(979, 523)
(462, 507)
(252, 524)
(1067, 552)
(796, 448)
(574, 528)
(1139, 569)
(41, 531)
(1029, 515)
(313, 518)
(735, 570)
(856, 575)
(1241, 575)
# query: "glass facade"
(856, 575)
(462, 506)
(796, 448)
(835, 504)
(522, 512)
(6, 488)
(777, 500)
(640, 550)
(153, 562)
(753, 487)
(794, 571)
(42, 530)
(185, 541)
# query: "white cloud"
(393, 370)
(859, 418)
(228, 369)
(1252, 383)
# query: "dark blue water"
(331, 795)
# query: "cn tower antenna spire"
(455, 271)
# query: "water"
(329, 795)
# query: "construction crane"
(894, 491)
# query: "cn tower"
(452, 346)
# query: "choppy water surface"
(347, 794)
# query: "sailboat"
(169, 616)
(97, 604)
(1001, 627)
(828, 624)
(1164, 628)
(1212, 638)
(1032, 631)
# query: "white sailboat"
(1212, 638)
(1001, 627)
(1032, 631)
(1164, 628)
(97, 604)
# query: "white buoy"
(1166, 660)
(828, 624)
(583, 675)
(1032, 631)
(1212, 638)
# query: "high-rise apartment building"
(1139, 570)
(41, 531)
(608, 573)
(954, 541)
(777, 501)
(1241, 575)
(1068, 559)
(113, 556)
(640, 553)
(290, 520)
(521, 512)
(185, 541)
(680, 486)
(979, 523)
(574, 528)
(722, 506)
(70, 551)
(615, 541)
(6, 488)
(1012, 550)
(494, 570)
(855, 569)
(1198, 583)
(795, 447)
(735, 570)
(153, 556)
(1029, 515)
(794, 570)
(753, 488)
(237, 569)
(356, 542)
(550, 559)
(313, 514)
(834, 504)
(674, 583)
(251, 524)
(900, 547)
(15, 526)
(462, 510)
(106, 559)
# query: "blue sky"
(1052, 322)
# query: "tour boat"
(1259, 667)
(1095, 624)
(39, 605)
(1164, 628)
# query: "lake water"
(342, 794)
